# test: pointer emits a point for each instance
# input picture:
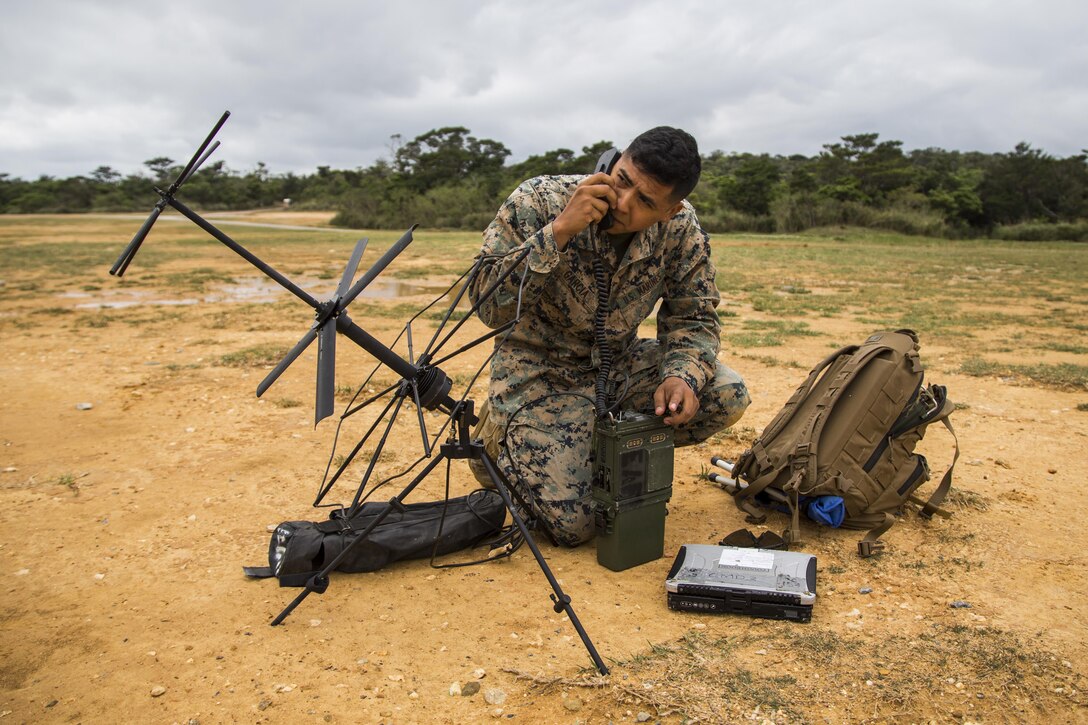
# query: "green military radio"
(632, 482)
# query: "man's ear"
(675, 209)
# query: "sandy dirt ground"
(126, 523)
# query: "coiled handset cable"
(604, 350)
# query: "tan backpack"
(850, 431)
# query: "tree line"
(448, 178)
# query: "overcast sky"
(88, 83)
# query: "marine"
(654, 259)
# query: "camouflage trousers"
(546, 453)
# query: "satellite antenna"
(420, 378)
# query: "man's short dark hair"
(670, 155)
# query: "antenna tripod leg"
(561, 600)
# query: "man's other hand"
(591, 201)
(676, 401)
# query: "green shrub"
(720, 221)
(1043, 232)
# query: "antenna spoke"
(121, 265)
(291, 356)
(200, 163)
(126, 257)
(349, 270)
(326, 371)
(380, 265)
(199, 157)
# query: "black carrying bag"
(300, 549)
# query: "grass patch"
(768, 333)
(179, 367)
(418, 272)
(826, 676)
(1065, 347)
(1058, 375)
(64, 258)
(98, 320)
(69, 481)
(254, 356)
(198, 279)
(821, 647)
(964, 499)
(773, 362)
(437, 315)
(399, 311)
(790, 305)
(935, 316)
(755, 339)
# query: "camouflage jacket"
(669, 261)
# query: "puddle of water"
(122, 304)
(263, 289)
(250, 289)
(121, 299)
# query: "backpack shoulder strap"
(757, 453)
(808, 447)
(791, 406)
(932, 506)
(805, 459)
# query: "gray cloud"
(84, 84)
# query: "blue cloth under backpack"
(826, 510)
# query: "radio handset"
(605, 164)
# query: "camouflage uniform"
(551, 354)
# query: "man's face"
(641, 200)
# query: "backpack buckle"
(929, 401)
(799, 458)
(867, 549)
